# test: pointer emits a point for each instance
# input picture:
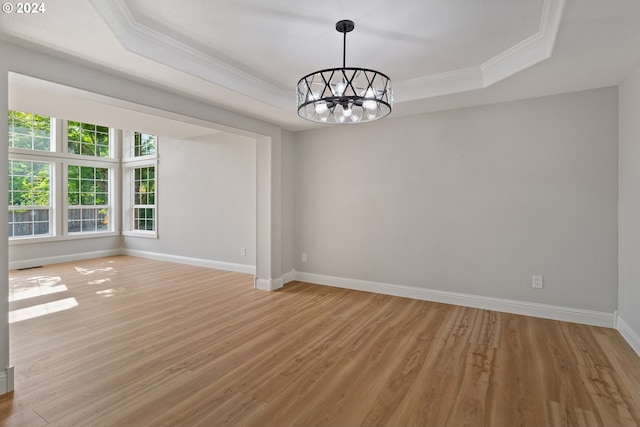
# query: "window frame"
(53, 132)
(64, 142)
(112, 205)
(129, 165)
(19, 155)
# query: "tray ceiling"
(247, 55)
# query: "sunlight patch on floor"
(87, 271)
(99, 281)
(107, 293)
(35, 287)
(42, 310)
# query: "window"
(87, 199)
(144, 195)
(29, 131)
(29, 176)
(140, 168)
(29, 198)
(60, 188)
(88, 186)
(68, 188)
(88, 139)
(143, 144)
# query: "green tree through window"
(144, 198)
(29, 198)
(87, 139)
(143, 144)
(87, 198)
(29, 131)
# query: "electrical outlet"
(243, 251)
(304, 257)
(537, 282)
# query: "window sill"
(143, 234)
(68, 237)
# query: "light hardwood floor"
(134, 342)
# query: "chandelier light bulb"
(321, 107)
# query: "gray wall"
(629, 208)
(474, 200)
(206, 199)
(24, 254)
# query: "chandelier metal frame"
(346, 95)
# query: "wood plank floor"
(125, 341)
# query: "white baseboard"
(220, 265)
(273, 284)
(567, 314)
(6, 380)
(628, 334)
(35, 262)
(289, 277)
(268, 284)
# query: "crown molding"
(438, 84)
(532, 50)
(149, 43)
(142, 40)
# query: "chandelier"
(344, 95)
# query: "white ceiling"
(247, 55)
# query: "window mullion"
(61, 136)
(64, 198)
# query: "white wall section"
(629, 210)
